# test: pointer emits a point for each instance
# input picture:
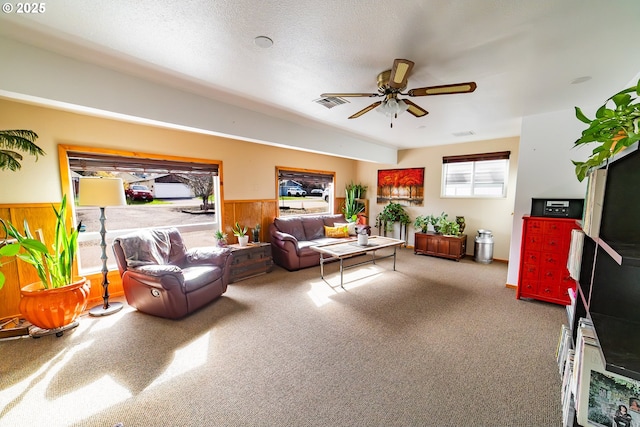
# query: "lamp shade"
(101, 192)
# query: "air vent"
(464, 133)
(330, 102)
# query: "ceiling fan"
(391, 83)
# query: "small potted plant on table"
(221, 238)
(241, 233)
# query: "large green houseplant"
(352, 207)
(392, 213)
(615, 127)
(54, 266)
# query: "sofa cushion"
(338, 232)
(313, 227)
(291, 225)
(351, 227)
(331, 219)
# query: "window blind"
(94, 162)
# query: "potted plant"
(422, 222)
(256, 233)
(392, 213)
(449, 228)
(613, 128)
(352, 207)
(20, 140)
(59, 297)
(357, 189)
(241, 233)
(221, 238)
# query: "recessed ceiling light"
(579, 80)
(263, 41)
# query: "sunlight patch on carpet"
(322, 290)
(185, 359)
(74, 406)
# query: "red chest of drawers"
(543, 259)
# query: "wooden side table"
(250, 260)
(452, 247)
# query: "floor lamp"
(102, 192)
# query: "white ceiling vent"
(464, 133)
(330, 102)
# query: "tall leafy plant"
(614, 127)
(352, 207)
(53, 265)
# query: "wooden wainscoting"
(249, 213)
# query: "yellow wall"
(248, 168)
(493, 214)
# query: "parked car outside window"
(295, 191)
(139, 192)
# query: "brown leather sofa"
(292, 238)
(161, 277)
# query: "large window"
(161, 192)
(475, 175)
(302, 191)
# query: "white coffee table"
(347, 249)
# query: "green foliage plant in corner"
(54, 267)
(352, 207)
(614, 127)
(13, 141)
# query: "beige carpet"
(436, 343)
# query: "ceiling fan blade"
(400, 73)
(415, 109)
(345, 95)
(443, 90)
(365, 110)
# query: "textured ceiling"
(523, 55)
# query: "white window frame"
(470, 163)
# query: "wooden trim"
(313, 171)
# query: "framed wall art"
(404, 186)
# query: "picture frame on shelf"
(601, 394)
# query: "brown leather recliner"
(161, 277)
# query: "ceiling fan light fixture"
(392, 107)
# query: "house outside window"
(475, 175)
(160, 194)
(303, 191)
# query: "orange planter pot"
(54, 308)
